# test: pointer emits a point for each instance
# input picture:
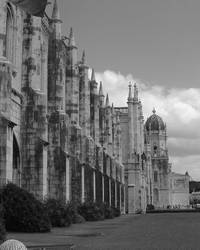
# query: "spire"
(83, 57)
(107, 101)
(153, 111)
(101, 90)
(56, 12)
(135, 92)
(113, 109)
(71, 38)
(141, 112)
(93, 76)
(130, 97)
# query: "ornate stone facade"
(135, 154)
(59, 138)
(148, 176)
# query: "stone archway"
(16, 162)
(155, 196)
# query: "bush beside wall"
(91, 211)
(97, 211)
(61, 214)
(22, 211)
(2, 226)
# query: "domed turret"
(154, 122)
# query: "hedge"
(61, 214)
(2, 225)
(22, 211)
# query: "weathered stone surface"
(58, 138)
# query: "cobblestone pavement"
(151, 231)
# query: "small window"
(155, 176)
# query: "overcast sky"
(157, 44)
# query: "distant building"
(179, 189)
(137, 165)
(156, 145)
(148, 176)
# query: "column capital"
(7, 66)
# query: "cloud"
(179, 108)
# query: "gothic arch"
(155, 176)
(155, 196)
(16, 162)
(10, 33)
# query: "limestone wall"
(54, 138)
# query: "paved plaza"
(150, 231)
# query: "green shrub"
(116, 211)
(23, 212)
(78, 219)
(108, 212)
(60, 213)
(150, 207)
(2, 225)
(91, 211)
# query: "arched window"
(155, 176)
(16, 162)
(9, 46)
(155, 195)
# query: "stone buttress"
(34, 109)
(72, 110)
(58, 163)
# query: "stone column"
(83, 183)
(110, 192)
(67, 180)
(6, 125)
(94, 185)
(124, 200)
(44, 172)
(103, 188)
(131, 199)
(115, 193)
(120, 196)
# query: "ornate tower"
(84, 97)
(94, 108)
(156, 137)
(108, 125)
(101, 115)
(72, 81)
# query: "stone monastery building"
(60, 137)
